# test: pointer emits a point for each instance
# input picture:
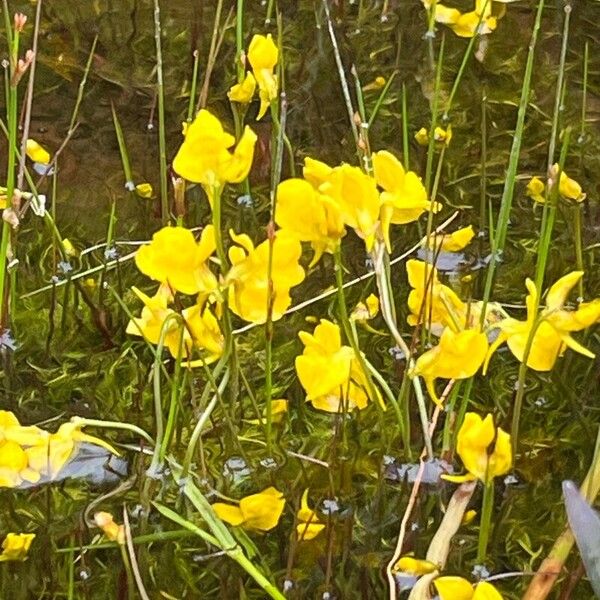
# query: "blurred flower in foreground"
(263, 55)
(260, 511)
(248, 279)
(309, 525)
(16, 546)
(484, 449)
(330, 373)
(112, 531)
(550, 330)
(204, 156)
(457, 588)
(483, 19)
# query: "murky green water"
(67, 364)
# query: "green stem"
(128, 572)
(239, 40)
(194, 86)
(499, 239)
(578, 245)
(162, 144)
(11, 163)
(486, 519)
(197, 432)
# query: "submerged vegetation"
(299, 299)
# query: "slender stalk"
(11, 162)
(511, 173)
(276, 177)
(128, 572)
(194, 87)
(486, 520)
(162, 144)
(405, 144)
(82, 83)
(434, 118)
(578, 245)
(239, 40)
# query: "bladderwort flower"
(259, 512)
(404, 197)
(485, 450)
(309, 526)
(263, 55)
(205, 156)
(248, 283)
(549, 329)
(175, 258)
(197, 323)
(16, 546)
(330, 373)
(458, 355)
(310, 215)
(568, 188)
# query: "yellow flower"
(200, 327)
(36, 153)
(457, 588)
(483, 19)
(366, 310)
(430, 301)
(452, 242)
(439, 135)
(414, 566)
(310, 215)
(112, 531)
(330, 373)
(248, 277)
(356, 195)
(568, 188)
(457, 356)
(69, 248)
(144, 190)
(11, 430)
(204, 156)
(404, 198)
(536, 189)
(14, 465)
(263, 55)
(16, 546)
(485, 450)
(278, 409)
(175, 258)
(244, 91)
(551, 328)
(260, 511)
(54, 451)
(309, 525)
(316, 172)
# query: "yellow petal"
(453, 588)
(243, 92)
(262, 511)
(415, 566)
(536, 190)
(36, 153)
(228, 513)
(486, 591)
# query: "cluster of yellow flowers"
(262, 512)
(331, 198)
(30, 454)
(463, 347)
(482, 19)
